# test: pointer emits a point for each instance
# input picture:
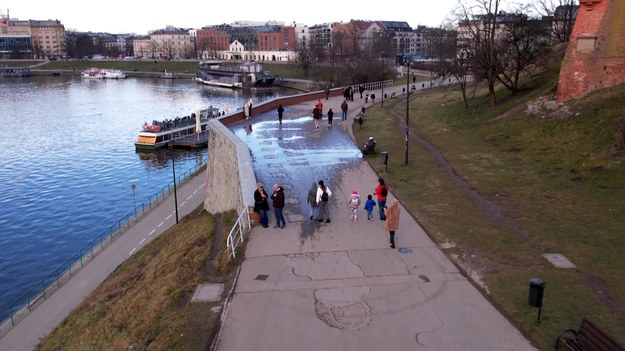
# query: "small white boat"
(98, 73)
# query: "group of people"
(261, 205)
(318, 199)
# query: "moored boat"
(188, 131)
(99, 73)
(248, 75)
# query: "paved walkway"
(338, 286)
(42, 320)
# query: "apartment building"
(48, 39)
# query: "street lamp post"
(407, 106)
(134, 200)
(173, 165)
(383, 54)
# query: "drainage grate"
(261, 277)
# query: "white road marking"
(142, 241)
(182, 204)
(190, 196)
(152, 232)
(160, 224)
(132, 251)
(196, 190)
(168, 217)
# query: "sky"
(139, 17)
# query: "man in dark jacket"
(278, 205)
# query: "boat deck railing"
(186, 121)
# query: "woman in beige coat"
(392, 220)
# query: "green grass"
(555, 177)
(18, 63)
(145, 304)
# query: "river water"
(68, 162)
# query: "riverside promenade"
(51, 312)
(339, 286)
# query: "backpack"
(324, 197)
(384, 191)
(355, 201)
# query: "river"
(68, 162)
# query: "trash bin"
(537, 288)
(384, 155)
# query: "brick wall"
(595, 57)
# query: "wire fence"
(19, 308)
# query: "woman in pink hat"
(354, 202)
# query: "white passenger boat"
(99, 73)
(189, 131)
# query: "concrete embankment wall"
(230, 177)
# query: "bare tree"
(562, 13)
(478, 35)
(522, 42)
(452, 60)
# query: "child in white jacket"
(354, 202)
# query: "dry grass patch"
(144, 304)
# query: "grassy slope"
(145, 304)
(555, 177)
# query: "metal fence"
(235, 237)
(43, 289)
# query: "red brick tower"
(595, 57)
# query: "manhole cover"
(405, 250)
(261, 277)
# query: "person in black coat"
(280, 113)
(278, 205)
(261, 205)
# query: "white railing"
(235, 237)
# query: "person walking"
(278, 205)
(261, 205)
(367, 98)
(373, 98)
(280, 113)
(330, 116)
(323, 197)
(316, 116)
(361, 90)
(381, 192)
(327, 92)
(344, 108)
(392, 221)
(351, 94)
(319, 106)
(369, 205)
(312, 201)
(354, 202)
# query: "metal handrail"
(238, 228)
(51, 282)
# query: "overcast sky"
(116, 16)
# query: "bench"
(589, 337)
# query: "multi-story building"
(320, 36)
(269, 41)
(48, 39)
(15, 39)
(405, 40)
(143, 46)
(172, 43)
(278, 39)
(209, 41)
